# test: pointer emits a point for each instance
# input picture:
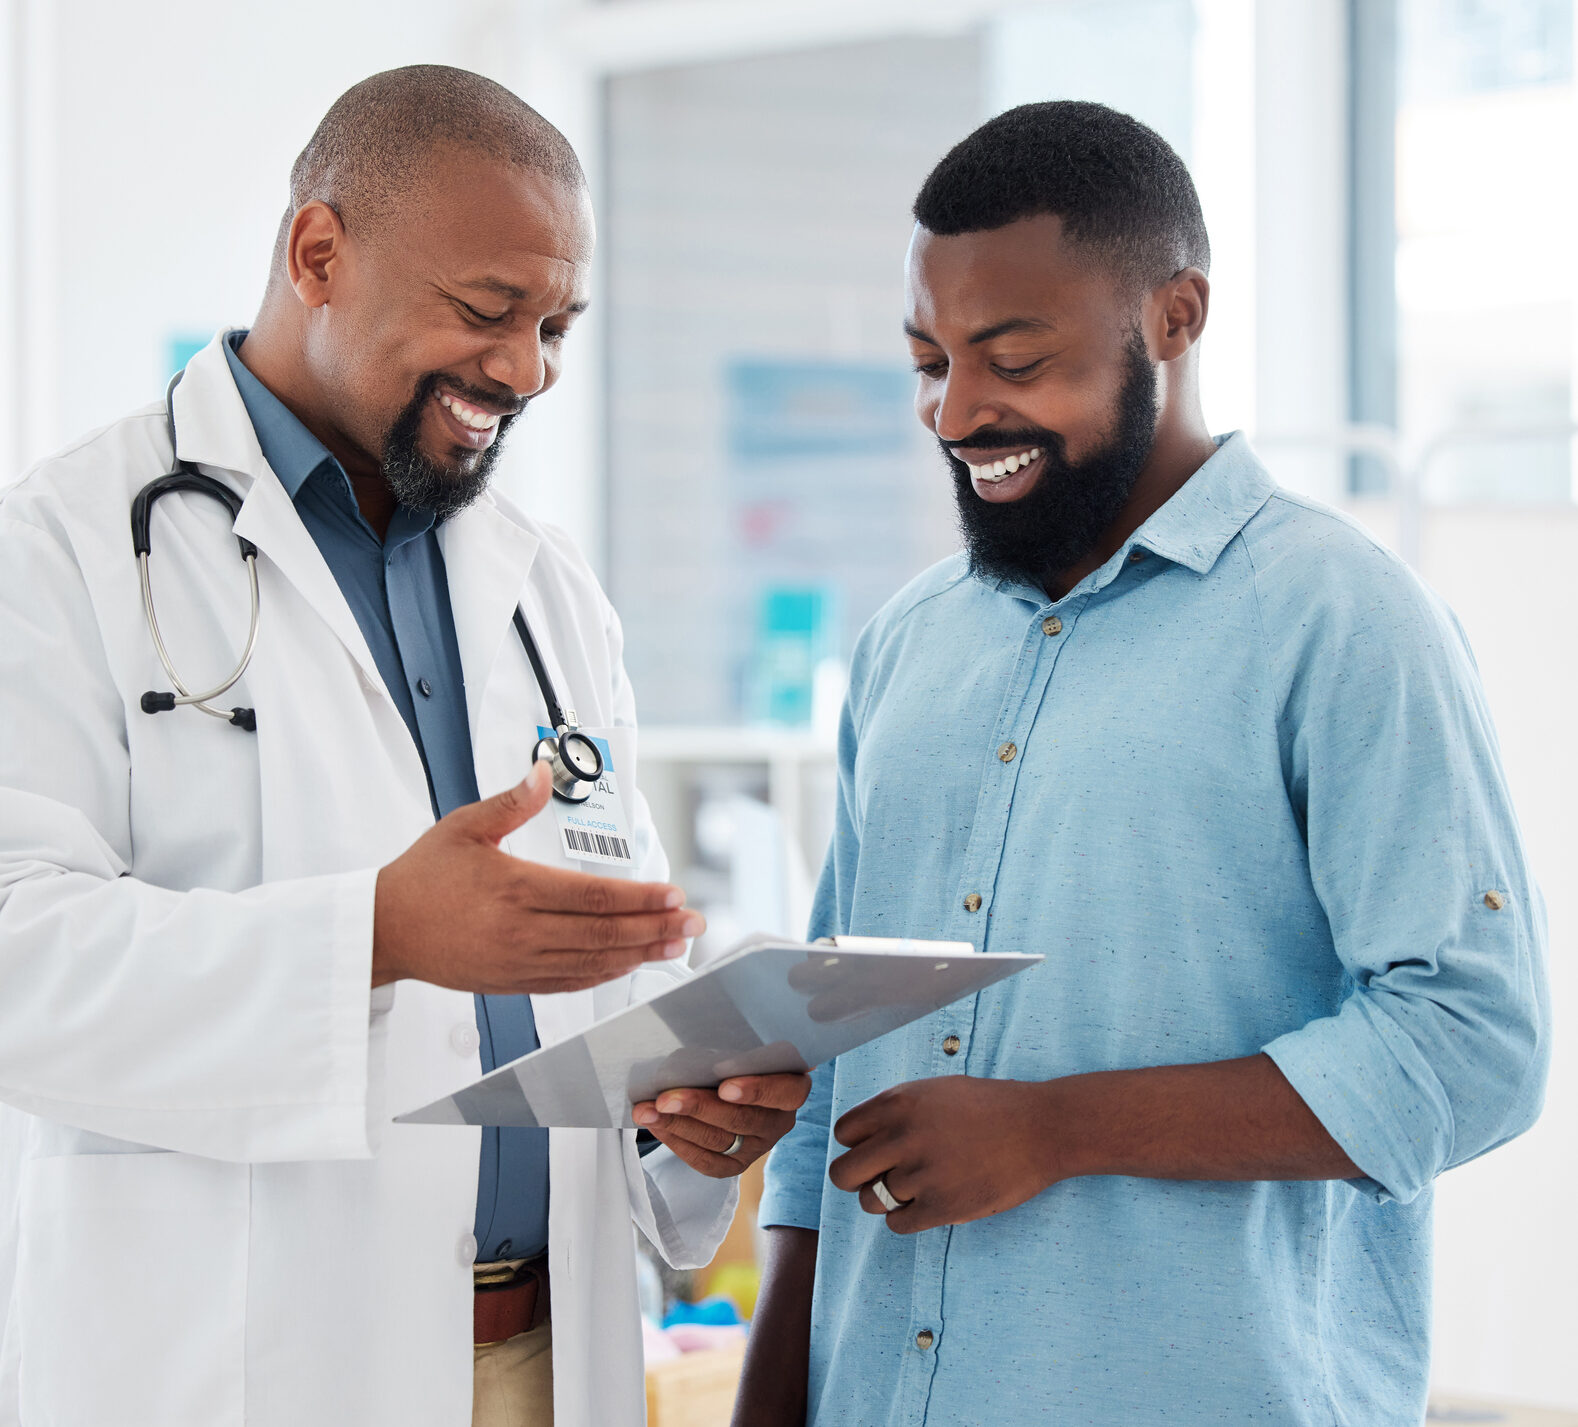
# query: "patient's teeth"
(999, 468)
(1012, 463)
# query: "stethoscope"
(573, 757)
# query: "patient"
(1225, 762)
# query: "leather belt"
(510, 1298)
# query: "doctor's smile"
(474, 423)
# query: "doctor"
(228, 957)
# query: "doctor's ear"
(312, 246)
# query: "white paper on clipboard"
(766, 1007)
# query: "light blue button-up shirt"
(398, 590)
(1256, 805)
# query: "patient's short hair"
(1119, 188)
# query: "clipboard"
(766, 1007)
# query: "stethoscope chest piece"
(575, 762)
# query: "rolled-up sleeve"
(1439, 1049)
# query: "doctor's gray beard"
(1059, 520)
(421, 483)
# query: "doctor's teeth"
(468, 415)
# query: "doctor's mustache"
(500, 399)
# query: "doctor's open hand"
(455, 910)
(720, 1132)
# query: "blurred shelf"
(1449, 1407)
(696, 1390)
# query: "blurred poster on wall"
(823, 515)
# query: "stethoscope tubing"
(183, 695)
(572, 784)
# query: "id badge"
(597, 830)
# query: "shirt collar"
(1209, 509)
(1195, 526)
(291, 450)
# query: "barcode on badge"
(597, 844)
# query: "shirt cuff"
(1374, 1093)
(792, 1186)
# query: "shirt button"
(1495, 901)
(1007, 753)
(466, 1250)
(950, 1045)
(972, 903)
(424, 688)
(1135, 556)
(1051, 625)
(925, 1338)
(465, 1039)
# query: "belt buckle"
(497, 1275)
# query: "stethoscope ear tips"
(154, 702)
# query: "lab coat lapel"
(214, 430)
(487, 558)
(268, 518)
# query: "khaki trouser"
(514, 1381)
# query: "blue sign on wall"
(814, 408)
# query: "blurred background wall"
(1389, 186)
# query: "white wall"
(1300, 179)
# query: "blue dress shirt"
(1240, 788)
(398, 591)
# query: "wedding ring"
(734, 1149)
(884, 1195)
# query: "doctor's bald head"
(376, 148)
(435, 254)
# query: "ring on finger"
(885, 1196)
(736, 1147)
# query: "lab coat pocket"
(132, 1283)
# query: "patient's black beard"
(1072, 504)
(417, 481)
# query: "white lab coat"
(206, 1216)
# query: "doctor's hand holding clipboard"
(457, 911)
